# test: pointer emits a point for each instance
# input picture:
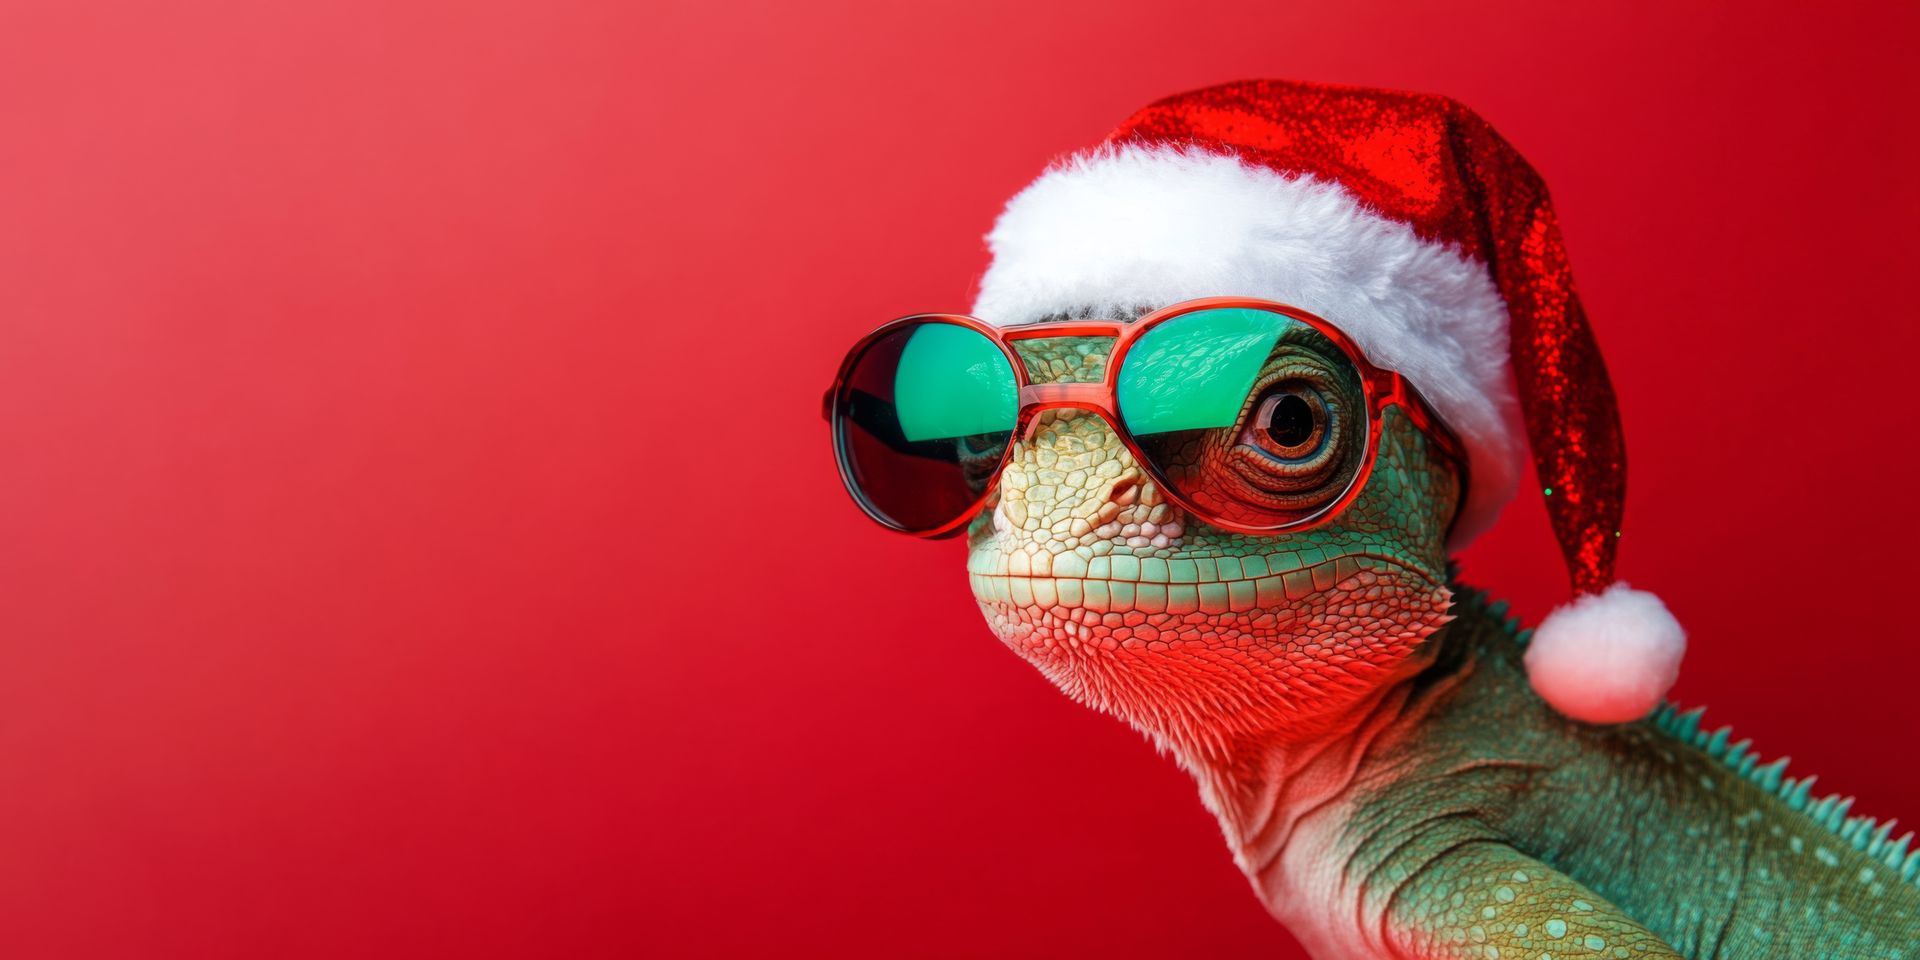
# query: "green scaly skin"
(1364, 730)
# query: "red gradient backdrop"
(417, 536)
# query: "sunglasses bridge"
(1036, 398)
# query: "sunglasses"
(1252, 416)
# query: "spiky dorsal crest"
(1871, 837)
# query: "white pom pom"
(1607, 657)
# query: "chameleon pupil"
(1291, 422)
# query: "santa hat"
(1406, 220)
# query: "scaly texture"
(1363, 728)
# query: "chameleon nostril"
(1133, 488)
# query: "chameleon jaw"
(1147, 638)
(1154, 605)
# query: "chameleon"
(1361, 725)
(1398, 766)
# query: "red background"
(417, 536)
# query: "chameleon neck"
(1273, 793)
(1456, 758)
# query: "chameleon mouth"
(1043, 597)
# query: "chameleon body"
(1363, 729)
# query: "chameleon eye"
(1253, 416)
(1293, 444)
(1289, 421)
(1298, 445)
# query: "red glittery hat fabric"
(1431, 163)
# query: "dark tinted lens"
(923, 421)
(1256, 418)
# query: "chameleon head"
(1430, 241)
(1195, 634)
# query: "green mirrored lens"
(953, 382)
(1194, 372)
(922, 421)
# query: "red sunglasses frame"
(1382, 388)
